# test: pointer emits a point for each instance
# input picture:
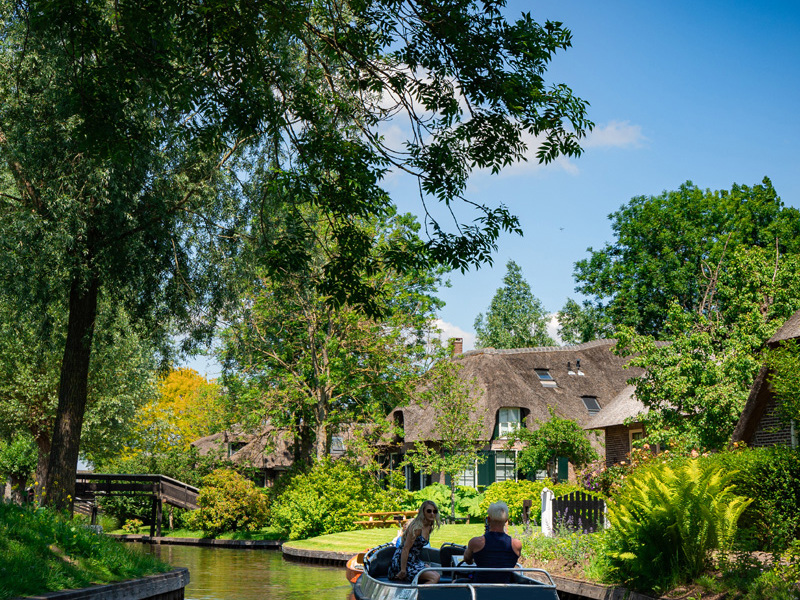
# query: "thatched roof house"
(759, 424)
(576, 381)
(268, 451)
(524, 384)
(620, 420)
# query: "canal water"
(233, 574)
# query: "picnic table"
(391, 518)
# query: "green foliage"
(670, 248)
(784, 379)
(44, 552)
(771, 477)
(327, 499)
(450, 400)
(17, 457)
(695, 387)
(132, 526)
(468, 502)
(665, 522)
(554, 438)
(514, 492)
(435, 492)
(228, 502)
(580, 323)
(576, 548)
(516, 318)
(313, 368)
(183, 464)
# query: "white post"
(547, 512)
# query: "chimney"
(458, 346)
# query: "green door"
(563, 468)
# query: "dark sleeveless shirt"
(496, 553)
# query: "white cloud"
(454, 331)
(552, 328)
(615, 134)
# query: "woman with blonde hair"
(406, 561)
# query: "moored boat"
(457, 581)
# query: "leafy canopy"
(668, 248)
(126, 131)
(516, 318)
(553, 438)
(451, 400)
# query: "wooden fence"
(578, 511)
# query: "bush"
(327, 499)
(771, 476)
(228, 502)
(514, 492)
(666, 520)
(132, 526)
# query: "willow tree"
(121, 124)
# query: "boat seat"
(379, 563)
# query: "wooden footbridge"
(162, 490)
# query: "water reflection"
(229, 574)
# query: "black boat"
(456, 583)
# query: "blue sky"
(680, 91)
(701, 91)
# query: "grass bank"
(41, 551)
(362, 539)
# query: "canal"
(232, 574)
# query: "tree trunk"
(42, 458)
(59, 486)
(322, 443)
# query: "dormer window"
(508, 421)
(545, 378)
(591, 404)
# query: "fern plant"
(666, 521)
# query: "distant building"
(620, 422)
(518, 388)
(759, 424)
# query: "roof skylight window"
(545, 378)
(591, 404)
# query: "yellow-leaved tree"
(187, 407)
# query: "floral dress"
(414, 564)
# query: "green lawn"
(362, 539)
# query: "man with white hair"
(495, 548)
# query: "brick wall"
(617, 444)
(771, 431)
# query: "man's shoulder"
(476, 541)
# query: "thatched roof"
(269, 449)
(507, 378)
(790, 330)
(625, 406)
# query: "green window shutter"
(447, 480)
(486, 469)
(563, 468)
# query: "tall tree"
(668, 247)
(121, 378)
(580, 323)
(695, 386)
(310, 367)
(186, 407)
(451, 400)
(120, 124)
(516, 318)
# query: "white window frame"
(511, 423)
(468, 477)
(505, 465)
